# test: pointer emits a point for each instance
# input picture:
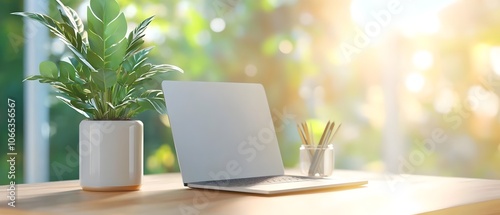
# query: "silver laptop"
(225, 139)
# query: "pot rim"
(111, 120)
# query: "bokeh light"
(250, 70)
(217, 25)
(415, 82)
(445, 100)
(423, 60)
(495, 59)
(434, 64)
(285, 46)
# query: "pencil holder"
(317, 161)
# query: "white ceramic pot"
(111, 155)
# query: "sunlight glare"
(424, 24)
(130, 11)
(495, 59)
(413, 110)
(423, 59)
(415, 82)
(373, 109)
(483, 102)
(444, 101)
(154, 34)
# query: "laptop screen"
(222, 130)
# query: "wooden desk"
(164, 194)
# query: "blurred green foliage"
(11, 70)
(293, 49)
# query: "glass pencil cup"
(317, 161)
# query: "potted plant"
(107, 80)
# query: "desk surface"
(164, 194)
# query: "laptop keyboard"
(245, 182)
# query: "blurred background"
(415, 83)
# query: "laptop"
(225, 140)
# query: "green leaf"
(119, 93)
(94, 58)
(78, 91)
(57, 29)
(82, 105)
(152, 99)
(105, 10)
(33, 77)
(135, 37)
(95, 25)
(67, 71)
(107, 77)
(136, 60)
(48, 69)
(71, 68)
(71, 18)
(132, 65)
(107, 31)
(139, 75)
(152, 94)
(73, 61)
(111, 105)
(78, 109)
(104, 78)
(153, 71)
(116, 29)
(41, 79)
(66, 14)
(79, 24)
(157, 104)
(125, 104)
(87, 91)
(116, 53)
(63, 89)
(166, 68)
